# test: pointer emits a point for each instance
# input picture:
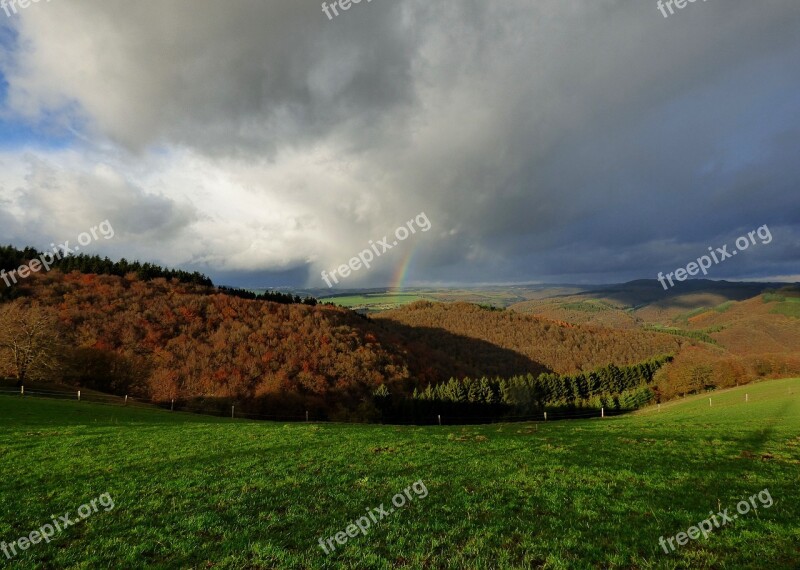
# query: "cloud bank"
(261, 142)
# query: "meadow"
(373, 301)
(790, 306)
(201, 492)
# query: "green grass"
(200, 492)
(772, 297)
(368, 301)
(698, 334)
(588, 306)
(788, 306)
(684, 318)
(724, 307)
(787, 309)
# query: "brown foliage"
(560, 347)
(166, 340)
(29, 342)
(185, 343)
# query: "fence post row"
(439, 416)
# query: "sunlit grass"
(200, 492)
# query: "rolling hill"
(164, 340)
(231, 494)
(559, 346)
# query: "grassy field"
(198, 492)
(374, 302)
(790, 307)
(490, 296)
(589, 305)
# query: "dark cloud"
(553, 140)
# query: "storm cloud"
(552, 141)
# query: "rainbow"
(401, 272)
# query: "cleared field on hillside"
(198, 492)
(375, 302)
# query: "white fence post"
(126, 399)
(22, 391)
(79, 395)
(545, 416)
(747, 397)
(602, 412)
(440, 419)
(709, 402)
(232, 407)
(172, 406)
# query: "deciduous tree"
(29, 342)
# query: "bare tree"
(29, 342)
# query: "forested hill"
(12, 258)
(560, 347)
(163, 334)
(165, 339)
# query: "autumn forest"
(161, 335)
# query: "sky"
(546, 141)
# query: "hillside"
(232, 494)
(561, 347)
(743, 330)
(764, 324)
(165, 340)
(171, 340)
(629, 305)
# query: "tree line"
(610, 387)
(273, 296)
(12, 258)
